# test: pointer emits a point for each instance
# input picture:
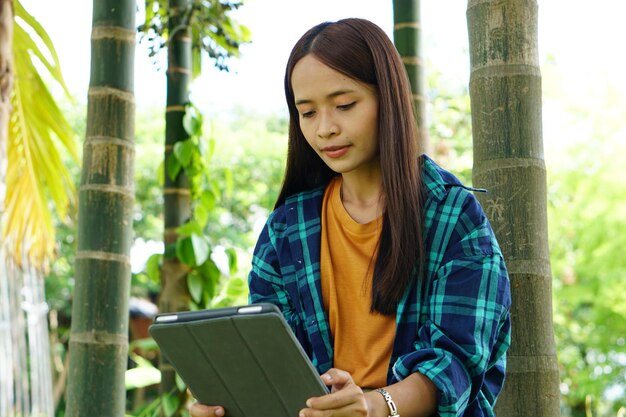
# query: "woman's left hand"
(345, 399)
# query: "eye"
(307, 114)
(345, 107)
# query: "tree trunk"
(25, 369)
(176, 193)
(505, 92)
(7, 394)
(407, 38)
(99, 333)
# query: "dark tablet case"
(243, 358)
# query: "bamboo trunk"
(99, 333)
(505, 92)
(176, 193)
(407, 35)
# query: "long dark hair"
(362, 51)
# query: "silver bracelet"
(393, 410)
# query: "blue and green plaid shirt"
(454, 327)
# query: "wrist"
(376, 406)
(390, 403)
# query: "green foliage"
(167, 405)
(231, 195)
(195, 244)
(450, 128)
(587, 237)
(213, 31)
(249, 171)
(148, 222)
(143, 375)
(37, 180)
(226, 192)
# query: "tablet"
(244, 358)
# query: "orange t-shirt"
(363, 341)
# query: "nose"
(327, 126)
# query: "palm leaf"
(53, 67)
(38, 180)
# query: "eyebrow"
(331, 95)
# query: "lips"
(335, 151)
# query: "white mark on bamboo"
(108, 92)
(174, 108)
(103, 256)
(178, 70)
(419, 97)
(412, 60)
(495, 209)
(409, 25)
(109, 140)
(113, 32)
(109, 188)
(99, 338)
(176, 191)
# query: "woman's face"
(338, 116)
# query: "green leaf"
(53, 67)
(160, 173)
(170, 404)
(184, 150)
(173, 167)
(196, 61)
(146, 344)
(201, 248)
(201, 215)
(143, 375)
(153, 267)
(189, 228)
(232, 259)
(229, 182)
(193, 250)
(151, 12)
(184, 251)
(195, 285)
(211, 276)
(236, 288)
(180, 384)
(192, 121)
(210, 148)
(214, 187)
(208, 200)
(37, 174)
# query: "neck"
(362, 196)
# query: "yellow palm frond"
(38, 180)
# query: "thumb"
(337, 378)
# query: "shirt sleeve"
(462, 341)
(266, 283)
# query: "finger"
(203, 410)
(349, 394)
(351, 410)
(337, 378)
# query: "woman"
(383, 263)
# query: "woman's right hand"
(202, 410)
